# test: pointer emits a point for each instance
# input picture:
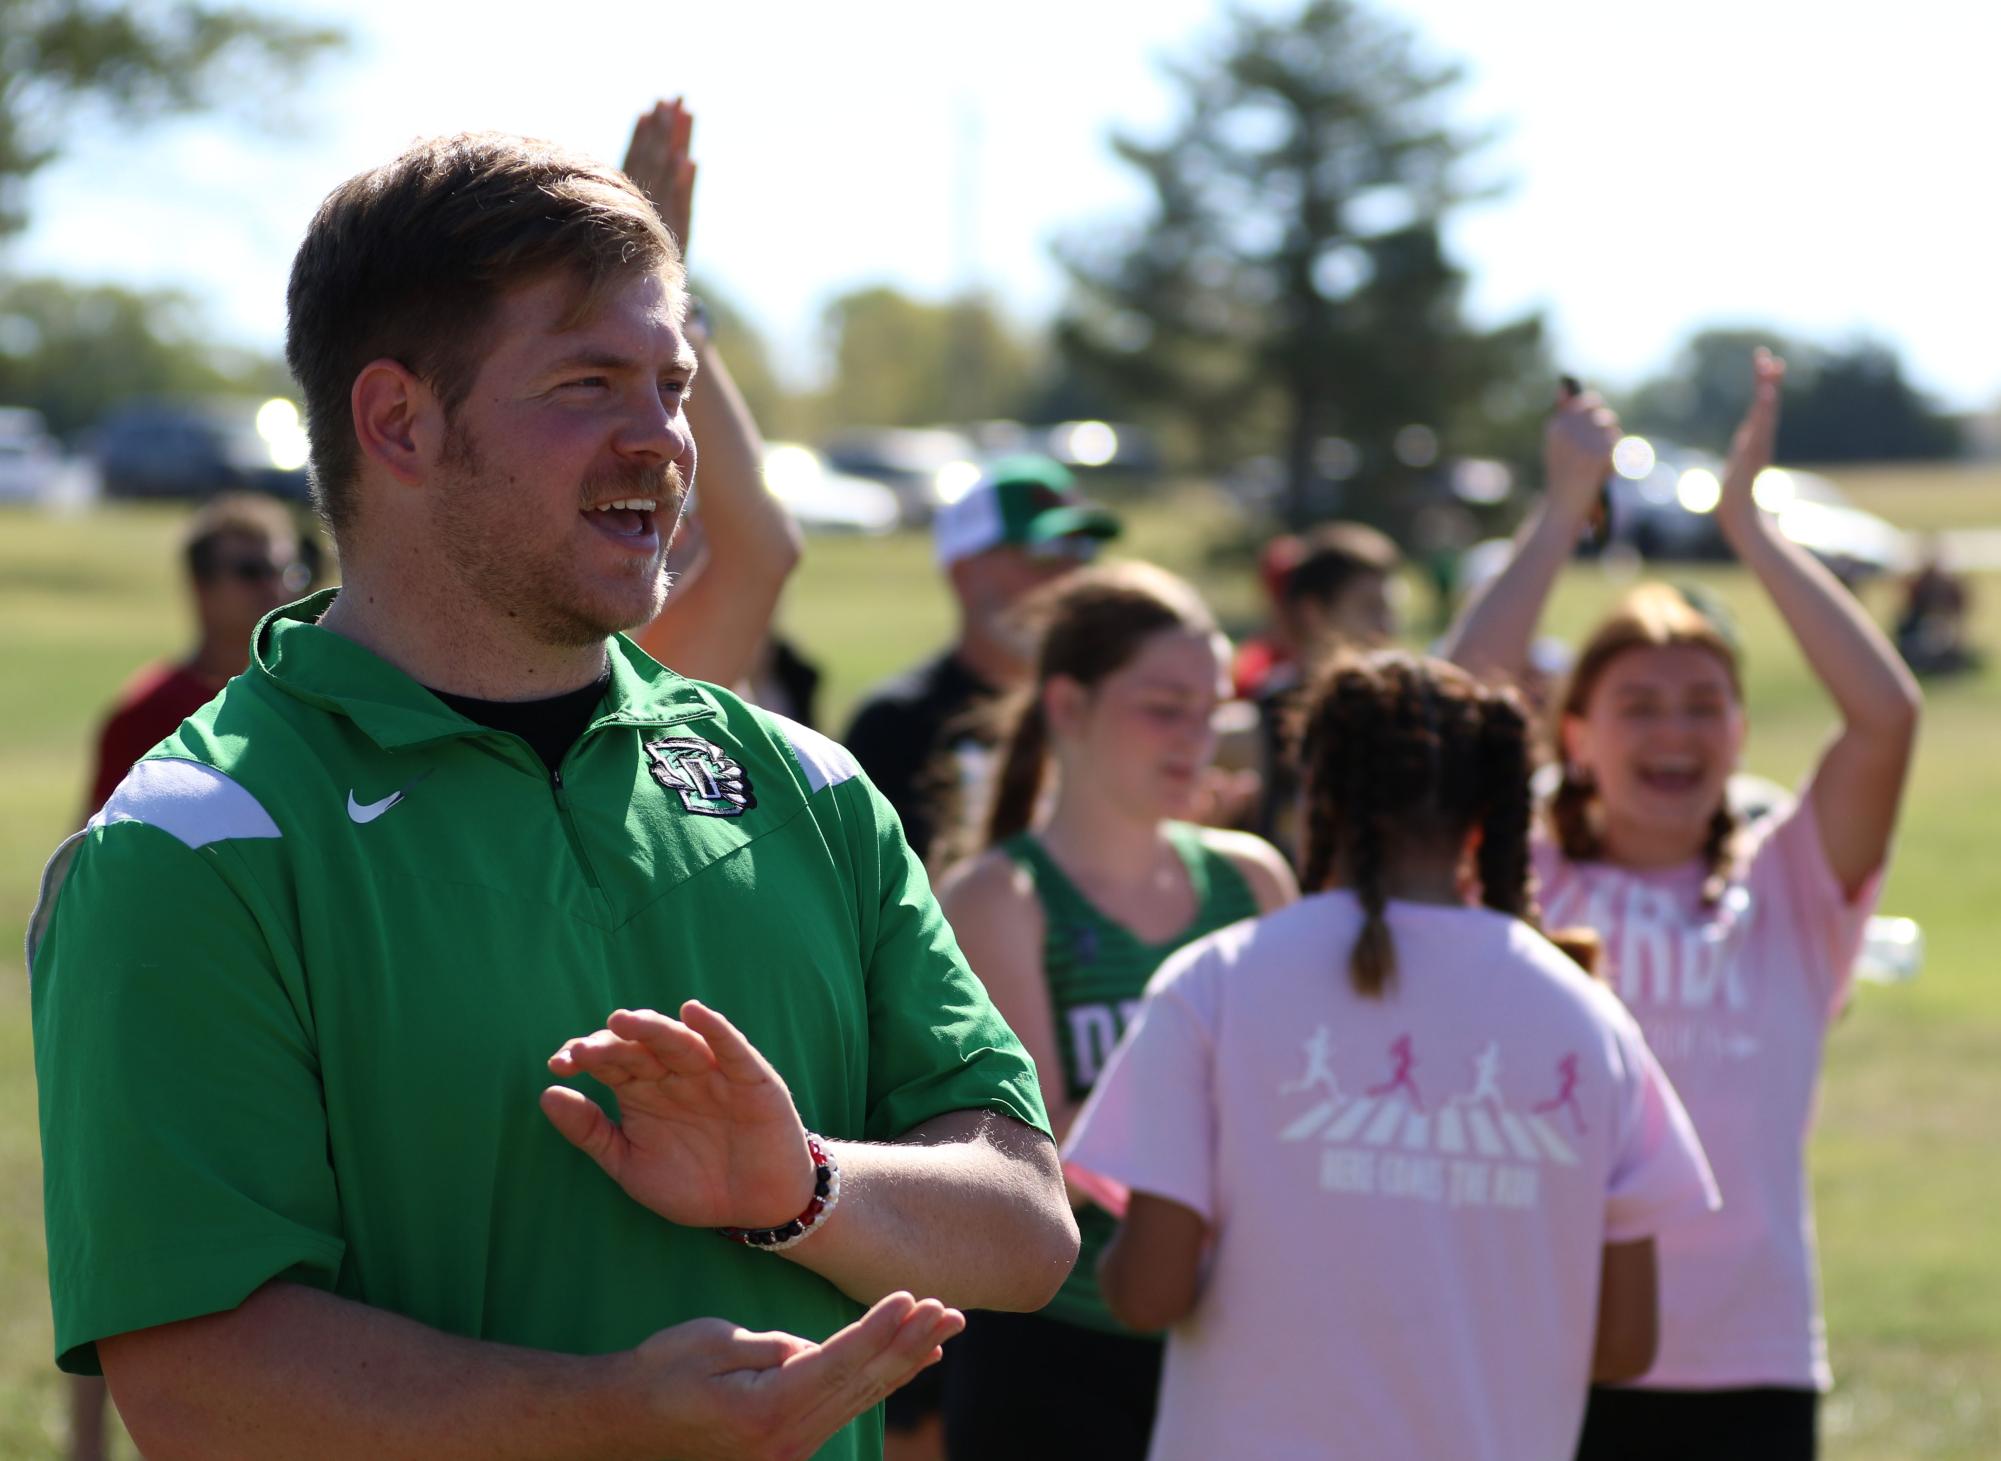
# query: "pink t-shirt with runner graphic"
(1735, 1001)
(1408, 1195)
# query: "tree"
(899, 361)
(72, 351)
(774, 408)
(1290, 284)
(1843, 404)
(61, 59)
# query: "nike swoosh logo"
(362, 813)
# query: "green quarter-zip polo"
(294, 988)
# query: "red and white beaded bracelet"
(826, 1192)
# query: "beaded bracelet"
(826, 1192)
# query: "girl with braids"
(1422, 1150)
(1084, 890)
(1733, 944)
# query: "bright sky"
(1827, 167)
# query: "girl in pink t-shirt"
(1732, 944)
(1390, 1161)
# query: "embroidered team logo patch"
(710, 783)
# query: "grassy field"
(1907, 1164)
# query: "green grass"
(1907, 1162)
(1928, 497)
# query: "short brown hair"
(234, 514)
(409, 260)
(1334, 555)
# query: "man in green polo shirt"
(300, 987)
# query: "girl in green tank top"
(1087, 886)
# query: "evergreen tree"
(1290, 284)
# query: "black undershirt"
(549, 726)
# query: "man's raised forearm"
(968, 1208)
(719, 614)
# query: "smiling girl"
(1734, 944)
(1064, 918)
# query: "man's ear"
(399, 423)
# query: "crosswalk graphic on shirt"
(1476, 1123)
(1456, 1131)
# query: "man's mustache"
(665, 483)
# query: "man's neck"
(456, 648)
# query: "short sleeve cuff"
(140, 1293)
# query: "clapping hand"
(1751, 449)
(723, 1393)
(1577, 454)
(707, 1134)
(659, 163)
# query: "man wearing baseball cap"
(1019, 526)
(921, 736)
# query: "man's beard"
(510, 570)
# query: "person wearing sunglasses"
(242, 555)
(923, 737)
(241, 551)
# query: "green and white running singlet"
(1097, 971)
(295, 987)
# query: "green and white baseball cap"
(1028, 501)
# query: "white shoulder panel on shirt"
(195, 803)
(827, 761)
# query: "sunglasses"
(260, 571)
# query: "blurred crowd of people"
(1431, 1042)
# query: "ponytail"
(1024, 761)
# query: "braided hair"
(1091, 624)
(1398, 751)
(1653, 615)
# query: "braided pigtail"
(1322, 834)
(1372, 963)
(1719, 855)
(1506, 875)
(1024, 762)
(1570, 817)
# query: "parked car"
(29, 456)
(820, 498)
(923, 467)
(1108, 446)
(196, 448)
(1664, 500)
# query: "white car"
(29, 456)
(820, 498)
